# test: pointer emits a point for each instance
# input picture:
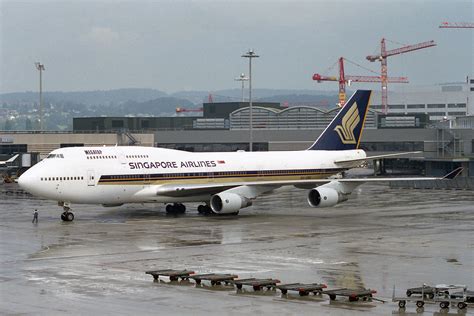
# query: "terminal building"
(438, 121)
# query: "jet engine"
(330, 194)
(226, 203)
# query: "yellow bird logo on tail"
(349, 123)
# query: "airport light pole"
(242, 79)
(40, 68)
(250, 54)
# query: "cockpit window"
(55, 156)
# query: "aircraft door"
(90, 178)
(121, 157)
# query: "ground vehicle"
(438, 294)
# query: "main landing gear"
(67, 215)
(176, 208)
(204, 209)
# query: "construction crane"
(185, 110)
(456, 25)
(384, 53)
(348, 79)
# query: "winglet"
(453, 174)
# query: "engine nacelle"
(225, 203)
(329, 194)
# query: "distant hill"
(122, 96)
(99, 97)
(292, 96)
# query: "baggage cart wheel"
(462, 305)
(256, 288)
(284, 292)
(303, 293)
(173, 278)
(402, 304)
(420, 304)
(353, 298)
(444, 304)
(239, 286)
(198, 281)
(332, 297)
(213, 283)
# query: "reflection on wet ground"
(96, 264)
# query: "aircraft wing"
(352, 161)
(183, 190)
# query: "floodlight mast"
(242, 79)
(250, 54)
(40, 68)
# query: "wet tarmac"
(95, 265)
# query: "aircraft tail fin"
(345, 130)
(12, 159)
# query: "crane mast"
(384, 53)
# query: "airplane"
(225, 182)
(4, 163)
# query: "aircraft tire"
(69, 216)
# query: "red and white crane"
(384, 53)
(456, 25)
(186, 110)
(344, 79)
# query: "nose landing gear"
(67, 215)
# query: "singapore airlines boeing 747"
(224, 182)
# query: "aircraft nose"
(25, 181)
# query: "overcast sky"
(196, 45)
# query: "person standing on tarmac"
(35, 217)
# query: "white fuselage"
(115, 175)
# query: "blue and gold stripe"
(248, 175)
